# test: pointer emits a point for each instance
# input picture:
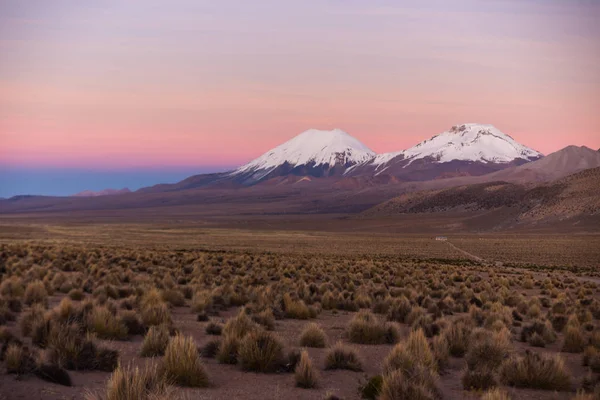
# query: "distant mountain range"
(105, 192)
(464, 150)
(473, 172)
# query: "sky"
(160, 89)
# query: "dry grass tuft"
(365, 328)
(305, 374)
(341, 356)
(536, 371)
(132, 383)
(156, 341)
(182, 363)
(261, 351)
(313, 336)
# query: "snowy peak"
(467, 142)
(316, 148)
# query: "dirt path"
(466, 253)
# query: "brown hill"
(574, 196)
(561, 163)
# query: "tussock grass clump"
(105, 324)
(457, 335)
(132, 322)
(536, 371)
(156, 314)
(305, 374)
(76, 294)
(31, 318)
(17, 360)
(538, 331)
(239, 326)
(36, 293)
(410, 370)
(228, 350)
(418, 385)
(133, 383)
(261, 351)
(371, 388)
(174, 297)
(591, 358)
(410, 353)
(156, 341)
(182, 363)
(295, 309)
(399, 309)
(495, 394)
(12, 287)
(68, 346)
(313, 336)
(441, 351)
(265, 318)
(365, 328)
(574, 341)
(488, 349)
(341, 356)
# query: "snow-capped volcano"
(313, 152)
(467, 149)
(467, 142)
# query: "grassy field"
(153, 311)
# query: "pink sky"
(201, 83)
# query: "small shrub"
(155, 342)
(313, 336)
(342, 357)
(305, 375)
(182, 363)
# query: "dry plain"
(433, 319)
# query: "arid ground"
(221, 312)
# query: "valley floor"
(531, 273)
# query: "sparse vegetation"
(63, 306)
